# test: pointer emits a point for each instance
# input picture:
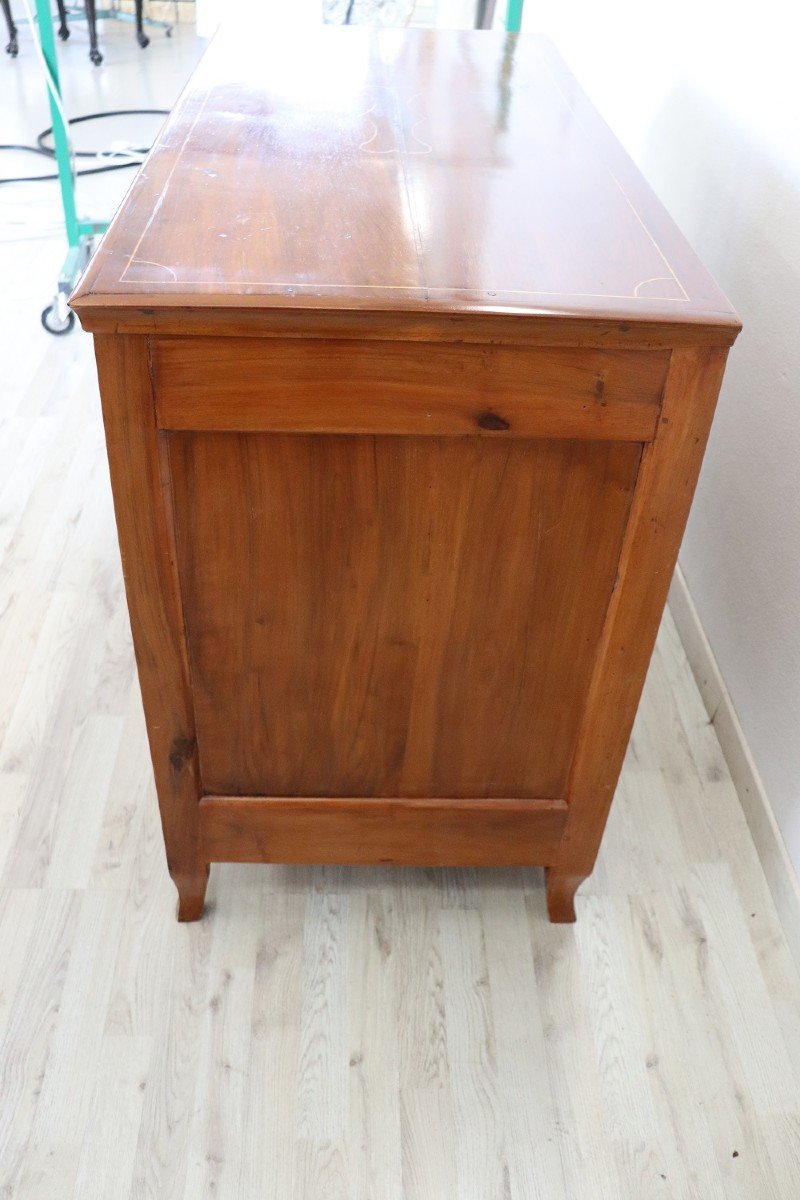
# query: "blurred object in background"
(370, 12)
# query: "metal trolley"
(57, 317)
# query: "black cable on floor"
(42, 148)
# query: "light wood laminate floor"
(369, 1034)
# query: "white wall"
(705, 96)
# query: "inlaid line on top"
(315, 288)
(624, 194)
(401, 149)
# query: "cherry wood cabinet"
(406, 378)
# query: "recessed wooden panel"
(270, 384)
(393, 616)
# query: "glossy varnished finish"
(407, 378)
(431, 172)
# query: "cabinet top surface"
(395, 170)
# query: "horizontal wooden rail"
(262, 385)
(354, 830)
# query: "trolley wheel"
(96, 57)
(143, 40)
(168, 31)
(52, 324)
(12, 48)
(63, 32)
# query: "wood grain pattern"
(455, 172)
(413, 482)
(664, 491)
(146, 537)
(505, 327)
(677, 905)
(481, 1153)
(391, 388)
(352, 830)
(394, 616)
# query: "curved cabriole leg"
(191, 893)
(561, 889)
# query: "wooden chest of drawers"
(406, 378)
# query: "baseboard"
(769, 843)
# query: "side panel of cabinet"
(391, 615)
(393, 647)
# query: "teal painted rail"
(56, 318)
(514, 16)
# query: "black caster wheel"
(55, 326)
(63, 32)
(143, 40)
(96, 57)
(13, 48)
(168, 31)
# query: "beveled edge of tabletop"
(251, 317)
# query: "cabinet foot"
(561, 889)
(191, 894)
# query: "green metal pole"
(514, 16)
(60, 136)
